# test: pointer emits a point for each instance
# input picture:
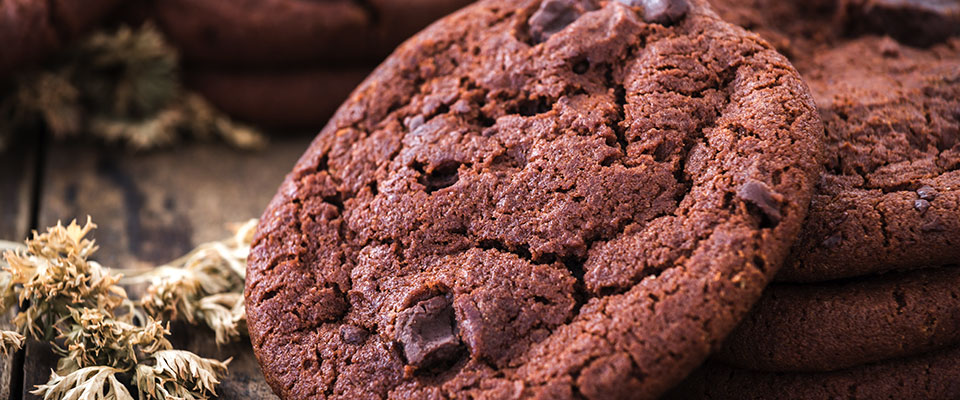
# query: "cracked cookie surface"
(893, 131)
(556, 199)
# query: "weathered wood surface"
(154, 207)
(17, 178)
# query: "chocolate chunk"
(426, 332)
(662, 12)
(760, 195)
(933, 226)
(833, 240)
(921, 205)
(552, 17)
(927, 192)
(351, 334)
(413, 123)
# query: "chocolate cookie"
(31, 29)
(280, 32)
(932, 376)
(916, 22)
(830, 326)
(282, 99)
(797, 28)
(551, 199)
(892, 126)
(890, 198)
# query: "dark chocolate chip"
(351, 334)
(552, 17)
(413, 123)
(765, 199)
(921, 205)
(472, 326)
(833, 241)
(933, 226)
(426, 331)
(927, 192)
(662, 12)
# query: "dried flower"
(101, 335)
(91, 383)
(10, 341)
(204, 285)
(178, 374)
(55, 277)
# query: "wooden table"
(151, 207)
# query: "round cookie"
(280, 99)
(890, 198)
(889, 112)
(551, 199)
(830, 326)
(31, 29)
(916, 22)
(281, 32)
(932, 376)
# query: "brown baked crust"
(32, 29)
(298, 99)
(281, 32)
(831, 326)
(599, 209)
(933, 376)
(890, 114)
(892, 124)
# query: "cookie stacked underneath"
(868, 303)
(288, 63)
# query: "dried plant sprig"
(91, 383)
(77, 306)
(121, 85)
(97, 339)
(54, 276)
(10, 341)
(178, 374)
(206, 285)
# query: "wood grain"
(17, 177)
(154, 207)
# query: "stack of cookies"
(868, 303)
(287, 63)
(568, 199)
(553, 199)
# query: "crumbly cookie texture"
(935, 375)
(553, 199)
(889, 197)
(837, 325)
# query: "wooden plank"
(153, 207)
(16, 191)
(17, 180)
